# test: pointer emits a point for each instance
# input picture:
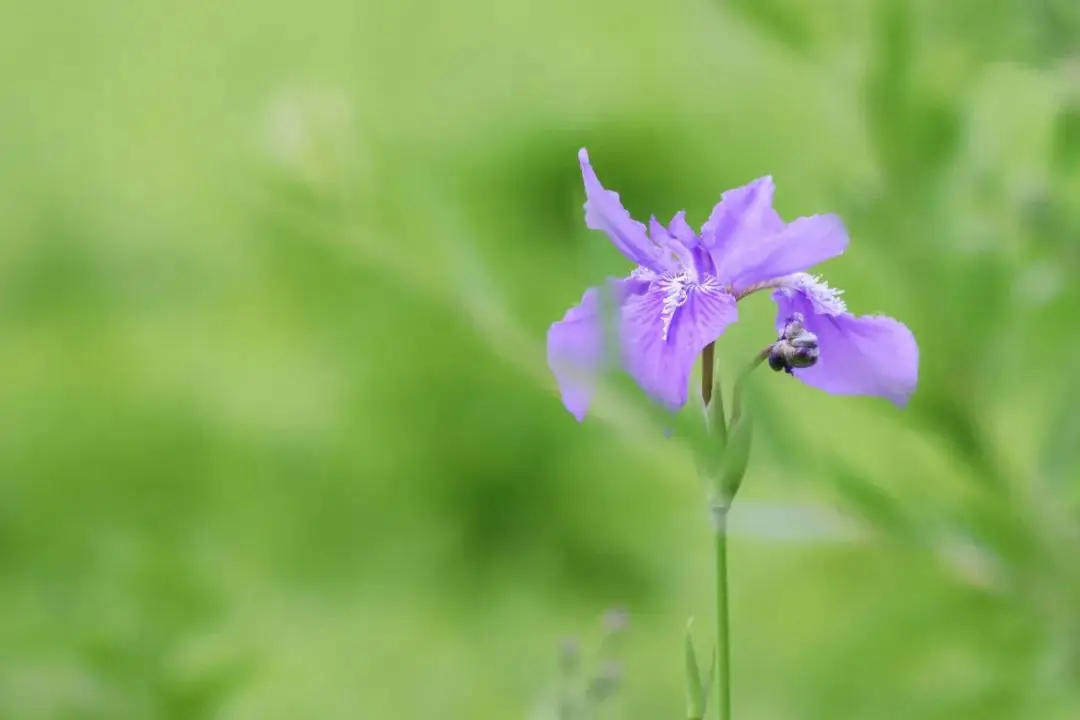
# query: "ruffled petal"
(866, 355)
(662, 332)
(604, 211)
(749, 243)
(797, 247)
(741, 217)
(576, 345)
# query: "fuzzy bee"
(796, 347)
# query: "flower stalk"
(724, 478)
(719, 502)
(719, 513)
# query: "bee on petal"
(796, 348)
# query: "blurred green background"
(277, 439)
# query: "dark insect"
(796, 347)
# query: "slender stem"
(723, 634)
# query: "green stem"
(723, 634)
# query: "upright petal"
(604, 211)
(749, 242)
(797, 247)
(681, 230)
(658, 233)
(662, 332)
(676, 255)
(867, 355)
(742, 215)
(693, 256)
(576, 345)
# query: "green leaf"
(1059, 461)
(874, 505)
(1065, 158)
(736, 456)
(888, 88)
(695, 691)
(710, 443)
(784, 20)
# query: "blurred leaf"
(784, 20)
(1054, 29)
(956, 421)
(695, 691)
(1059, 462)
(888, 89)
(935, 135)
(1033, 32)
(1065, 153)
(736, 454)
(875, 506)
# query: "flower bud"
(616, 620)
(604, 684)
(569, 657)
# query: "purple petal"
(867, 355)
(749, 242)
(660, 342)
(797, 247)
(576, 350)
(604, 211)
(658, 233)
(681, 230)
(678, 254)
(687, 245)
(742, 216)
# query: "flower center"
(675, 288)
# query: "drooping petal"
(742, 215)
(797, 247)
(604, 211)
(866, 355)
(577, 349)
(662, 332)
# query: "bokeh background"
(277, 437)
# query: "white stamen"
(675, 289)
(825, 299)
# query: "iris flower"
(683, 292)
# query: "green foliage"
(278, 439)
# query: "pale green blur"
(277, 436)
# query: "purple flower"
(684, 291)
